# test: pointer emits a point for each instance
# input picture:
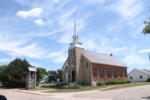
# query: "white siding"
(135, 74)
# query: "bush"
(114, 81)
(60, 86)
(48, 86)
(148, 80)
(71, 87)
(100, 83)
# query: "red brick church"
(86, 67)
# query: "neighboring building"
(87, 67)
(137, 75)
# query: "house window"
(66, 67)
(87, 64)
(141, 76)
(98, 73)
(105, 72)
(112, 74)
(131, 77)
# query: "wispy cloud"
(41, 22)
(35, 12)
(95, 1)
(135, 60)
(57, 57)
(145, 51)
(5, 60)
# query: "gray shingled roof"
(101, 58)
(147, 71)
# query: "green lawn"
(101, 88)
(128, 85)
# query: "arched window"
(112, 73)
(105, 73)
(98, 72)
(123, 73)
(118, 74)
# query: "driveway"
(133, 93)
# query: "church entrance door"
(73, 76)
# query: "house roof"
(101, 58)
(145, 71)
(32, 69)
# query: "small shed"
(31, 78)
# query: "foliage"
(51, 76)
(54, 75)
(3, 74)
(41, 74)
(146, 29)
(16, 73)
(59, 75)
(60, 86)
(48, 86)
(71, 87)
(148, 80)
(114, 81)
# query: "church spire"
(75, 42)
(75, 36)
(75, 27)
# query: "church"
(86, 67)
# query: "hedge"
(114, 81)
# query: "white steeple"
(75, 42)
(75, 36)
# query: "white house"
(137, 75)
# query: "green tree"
(52, 76)
(59, 75)
(3, 74)
(16, 73)
(146, 29)
(41, 74)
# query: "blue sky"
(40, 30)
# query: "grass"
(82, 88)
(128, 85)
(104, 87)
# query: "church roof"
(101, 58)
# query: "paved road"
(134, 93)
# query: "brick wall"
(107, 69)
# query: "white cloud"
(145, 51)
(135, 59)
(128, 9)
(4, 60)
(57, 57)
(41, 22)
(56, 1)
(9, 45)
(35, 12)
(96, 1)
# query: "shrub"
(148, 80)
(99, 83)
(114, 81)
(71, 87)
(48, 86)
